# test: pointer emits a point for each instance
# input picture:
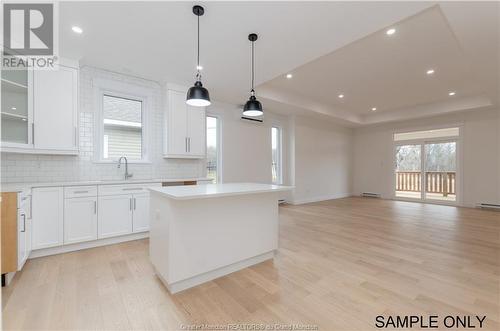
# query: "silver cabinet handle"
(132, 189)
(135, 204)
(80, 192)
(189, 144)
(95, 207)
(186, 143)
(24, 222)
(76, 135)
(130, 204)
(33, 133)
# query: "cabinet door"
(80, 219)
(17, 108)
(22, 240)
(47, 217)
(197, 131)
(176, 123)
(115, 215)
(141, 213)
(55, 104)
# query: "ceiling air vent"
(370, 195)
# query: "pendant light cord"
(198, 75)
(253, 91)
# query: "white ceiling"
(331, 47)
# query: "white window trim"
(219, 146)
(279, 175)
(127, 91)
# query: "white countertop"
(217, 190)
(18, 187)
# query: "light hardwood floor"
(340, 264)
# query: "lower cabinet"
(140, 218)
(115, 215)
(123, 214)
(47, 217)
(23, 239)
(80, 219)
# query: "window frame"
(279, 147)
(218, 145)
(125, 91)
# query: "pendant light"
(252, 107)
(197, 95)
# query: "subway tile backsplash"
(29, 168)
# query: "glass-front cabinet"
(17, 107)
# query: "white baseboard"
(208, 276)
(86, 245)
(320, 198)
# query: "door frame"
(422, 143)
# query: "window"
(426, 165)
(276, 155)
(122, 128)
(213, 149)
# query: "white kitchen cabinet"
(185, 127)
(55, 124)
(115, 215)
(39, 111)
(80, 219)
(23, 239)
(47, 217)
(140, 218)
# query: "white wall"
(246, 146)
(323, 160)
(373, 155)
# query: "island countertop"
(217, 190)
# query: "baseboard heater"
(370, 195)
(488, 205)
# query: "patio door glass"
(409, 171)
(440, 171)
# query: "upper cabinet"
(185, 127)
(39, 110)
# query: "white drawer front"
(126, 188)
(80, 191)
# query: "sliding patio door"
(440, 171)
(426, 166)
(409, 171)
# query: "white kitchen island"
(199, 233)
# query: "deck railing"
(435, 181)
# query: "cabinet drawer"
(80, 191)
(126, 188)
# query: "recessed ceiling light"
(13, 108)
(452, 93)
(391, 31)
(77, 29)
(341, 96)
(199, 67)
(24, 120)
(374, 108)
(430, 71)
(289, 76)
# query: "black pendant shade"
(252, 107)
(197, 95)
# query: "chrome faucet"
(127, 175)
